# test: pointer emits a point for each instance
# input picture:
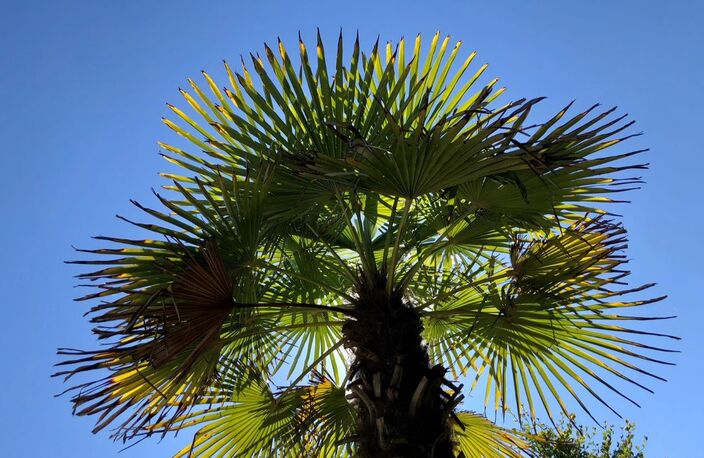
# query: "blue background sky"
(82, 90)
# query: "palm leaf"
(478, 436)
(312, 420)
(549, 321)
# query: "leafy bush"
(566, 440)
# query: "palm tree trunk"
(402, 410)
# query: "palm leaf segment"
(315, 177)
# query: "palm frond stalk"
(351, 242)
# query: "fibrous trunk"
(403, 404)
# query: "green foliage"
(565, 440)
(302, 179)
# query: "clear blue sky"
(82, 90)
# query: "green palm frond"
(192, 309)
(313, 420)
(477, 436)
(254, 423)
(550, 320)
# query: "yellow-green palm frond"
(476, 436)
(547, 322)
(310, 420)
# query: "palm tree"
(350, 240)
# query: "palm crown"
(353, 236)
